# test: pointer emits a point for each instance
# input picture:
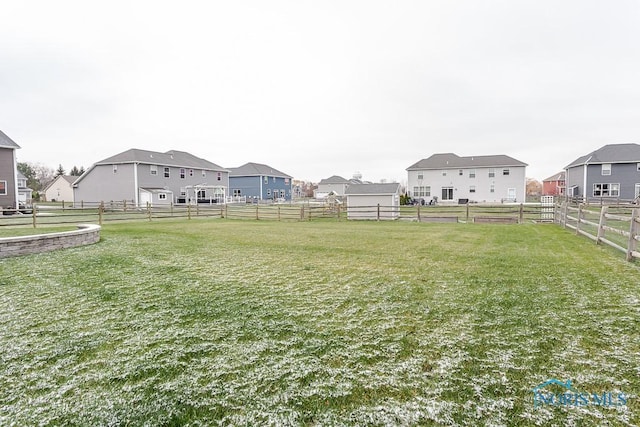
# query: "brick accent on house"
(86, 234)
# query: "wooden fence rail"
(619, 229)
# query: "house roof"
(69, 178)
(557, 177)
(6, 142)
(367, 189)
(174, 158)
(256, 169)
(610, 153)
(453, 161)
(335, 179)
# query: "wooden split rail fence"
(615, 226)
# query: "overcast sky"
(317, 88)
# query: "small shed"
(373, 201)
(155, 196)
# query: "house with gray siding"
(141, 176)
(257, 181)
(611, 172)
(373, 201)
(9, 192)
(449, 178)
(334, 184)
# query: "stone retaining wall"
(86, 234)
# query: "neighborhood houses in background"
(255, 181)
(554, 185)
(446, 177)
(612, 172)
(336, 185)
(141, 177)
(60, 189)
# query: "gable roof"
(68, 178)
(335, 179)
(610, 153)
(6, 142)
(557, 177)
(170, 158)
(370, 189)
(256, 169)
(453, 161)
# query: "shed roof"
(373, 189)
(452, 161)
(7, 142)
(256, 169)
(610, 153)
(335, 179)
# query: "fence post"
(257, 211)
(171, 207)
(226, 211)
(579, 218)
(302, 213)
(565, 209)
(338, 212)
(419, 213)
(63, 206)
(467, 212)
(521, 214)
(148, 210)
(189, 211)
(602, 223)
(82, 204)
(378, 214)
(33, 213)
(278, 212)
(124, 205)
(100, 212)
(633, 231)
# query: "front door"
(511, 194)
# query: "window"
(606, 190)
(3, 188)
(268, 192)
(638, 167)
(282, 193)
(266, 179)
(190, 172)
(153, 169)
(162, 196)
(115, 168)
(637, 191)
(606, 169)
(460, 172)
(274, 179)
(505, 171)
(444, 173)
(183, 173)
(472, 173)
(492, 188)
(202, 194)
(472, 189)
(22, 183)
(167, 173)
(422, 191)
(204, 173)
(286, 181)
(237, 192)
(183, 192)
(492, 173)
(219, 178)
(421, 176)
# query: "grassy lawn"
(209, 322)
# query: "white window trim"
(5, 191)
(153, 170)
(606, 169)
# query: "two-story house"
(449, 178)
(8, 173)
(610, 172)
(141, 177)
(257, 181)
(554, 185)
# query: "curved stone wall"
(86, 234)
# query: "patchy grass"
(323, 323)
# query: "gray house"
(609, 173)
(449, 178)
(334, 184)
(9, 192)
(373, 201)
(141, 177)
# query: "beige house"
(60, 189)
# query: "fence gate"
(547, 209)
